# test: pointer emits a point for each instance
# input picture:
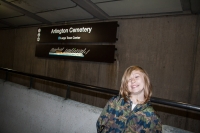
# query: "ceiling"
(28, 13)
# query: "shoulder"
(149, 108)
(115, 97)
(116, 100)
(152, 118)
(149, 111)
(149, 116)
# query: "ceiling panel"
(32, 12)
(135, 7)
(99, 1)
(35, 6)
(75, 13)
(7, 12)
(23, 20)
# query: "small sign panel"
(90, 32)
(97, 53)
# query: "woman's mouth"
(134, 86)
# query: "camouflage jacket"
(117, 117)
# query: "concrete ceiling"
(27, 13)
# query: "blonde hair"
(125, 93)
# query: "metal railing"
(100, 89)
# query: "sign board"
(97, 53)
(89, 33)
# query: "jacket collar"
(138, 107)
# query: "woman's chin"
(136, 92)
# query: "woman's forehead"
(136, 72)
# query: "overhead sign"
(90, 32)
(98, 53)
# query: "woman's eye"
(136, 77)
(130, 80)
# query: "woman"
(130, 112)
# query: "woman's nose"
(133, 80)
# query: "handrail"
(106, 90)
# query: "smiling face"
(136, 83)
